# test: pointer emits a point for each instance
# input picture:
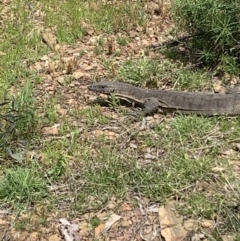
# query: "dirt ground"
(122, 219)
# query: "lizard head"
(106, 87)
(121, 90)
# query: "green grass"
(148, 71)
(21, 186)
(214, 27)
(77, 15)
(192, 80)
(139, 71)
(85, 165)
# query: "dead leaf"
(150, 236)
(90, 31)
(238, 146)
(217, 86)
(20, 236)
(4, 212)
(149, 156)
(105, 227)
(57, 47)
(171, 223)
(228, 238)
(85, 228)
(61, 110)
(112, 219)
(2, 53)
(145, 42)
(54, 237)
(152, 209)
(133, 34)
(218, 169)
(52, 130)
(49, 38)
(3, 222)
(139, 29)
(44, 58)
(207, 224)
(106, 133)
(153, 8)
(99, 229)
(228, 152)
(78, 74)
(126, 206)
(34, 236)
(69, 231)
(197, 237)
(67, 59)
(37, 66)
(112, 203)
(189, 224)
(74, 51)
(126, 223)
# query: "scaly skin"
(207, 104)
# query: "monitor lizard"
(206, 104)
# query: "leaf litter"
(67, 76)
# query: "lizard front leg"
(150, 106)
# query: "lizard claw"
(136, 115)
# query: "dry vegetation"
(64, 156)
